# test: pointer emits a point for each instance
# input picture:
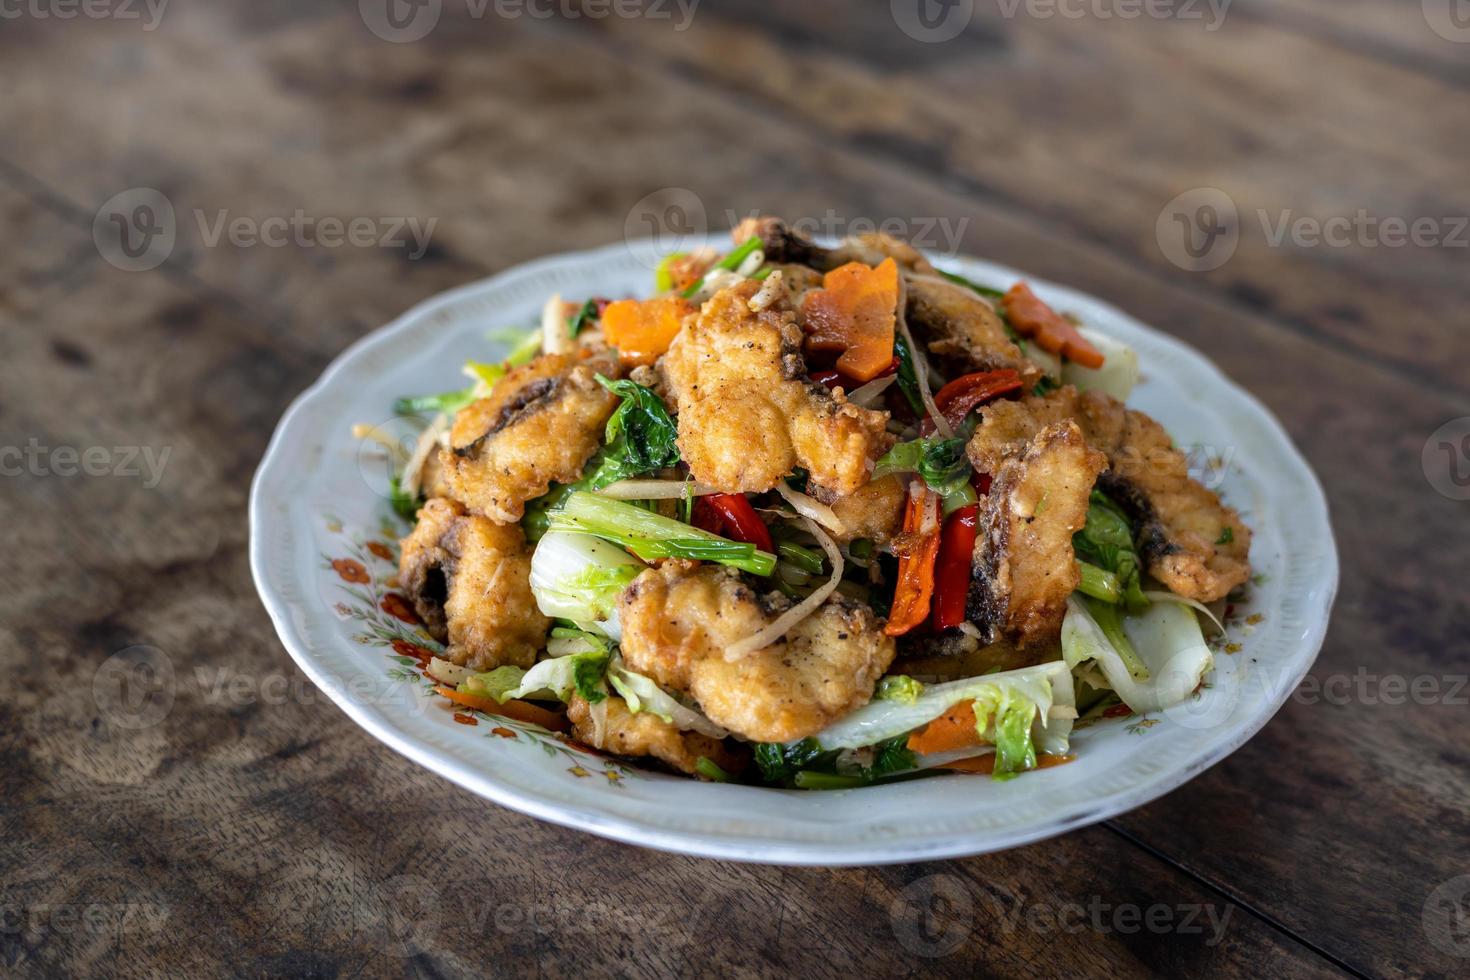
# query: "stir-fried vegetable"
(641, 437)
(855, 312)
(1170, 646)
(953, 571)
(556, 678)
(578, 577)
(1107, 543)
(650, 536)
(940, 463)
(1052, 332)
(915, 590)
(908, 379)
(740, 519)
(962, 396)
(642, 694)
(642, 330)
(585, 315)
(730, 262)
(985, 291)
(448, 403)
(516, 710)
(1099, 583)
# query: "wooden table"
(254, 830)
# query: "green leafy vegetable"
(1110, 620)
(1099, 583)
(404, 505)
(525, 350)
(941, 463)
(577, 577)
(641, 437)
(982, 290)
(807, 559)
(729, 262)
(908, 377)
(663, 276)
(650, 536)
(578, 321)
(1226, 536)
(556, 678)
(899, 687)
(1045, 386)
(1107, 542)
(707, 768)
(448, 403)
(1015, 751)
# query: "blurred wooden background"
(269, 836)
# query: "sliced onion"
(812, 509)
(788, 620)
(556, 334)
(655, 490)
(413, 471)
(1158, 596)
(921, 366)
(770, 292)
(865, 396)
(448, 673)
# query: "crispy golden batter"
(1183, 524)
(961, 331)
(1025, 567)
(746, 419)
(540, 425)
(644, 734)
(470, 582)
(679, 619)
(874, 510)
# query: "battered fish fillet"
(1194, 544)
(470, 582)
(679, 619)
(622, 732)
(540, 425)
(783, 244)
(961, 331)
(1025, 567)
(873, 511)
(746, 416)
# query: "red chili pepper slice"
(962, 396)
(741, 520)
(952, 573)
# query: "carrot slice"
(518, 710)
(643, 330)
(856, 312)
(1052, 332)
(955, 729)
(915, 591)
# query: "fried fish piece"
(1192, 543)
(748, 417)
(873, 511)
(961, 331)
(679, 619)
(622, 732)
(783, 244)
(541, 424)
(1025, 567)
(470, 582)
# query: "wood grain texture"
(255, 831)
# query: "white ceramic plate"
(323, 555)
